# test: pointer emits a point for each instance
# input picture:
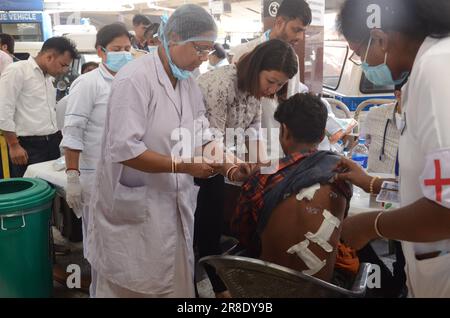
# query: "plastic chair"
(252, 278)
(339, 107)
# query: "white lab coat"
(134, 234)
(425, 107)
(83, 129)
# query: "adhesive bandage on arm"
(325, 231)
(308, 257)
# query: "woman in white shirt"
(85, 118)
(232, 96)
(396, 38)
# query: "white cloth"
(375, 125)
(61, 107)
(133, 236)
(85, 115)
(5, 60)
(425, 106)
(269, 106)
(183, 289)
(27, 100)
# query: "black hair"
(273, 55)
(305, 115)
(141, 19)
(152, 29)
(88, 64)
(416, 19)
(219, 51)
(60, 45)
(8, 40)
(109, 32)
(295, 9)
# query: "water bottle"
(361, 153)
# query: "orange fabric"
(346, 259)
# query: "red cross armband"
(435, 178)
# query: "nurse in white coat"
(411, 37)
(140, 239)
(85, 118)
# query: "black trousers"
(39, 149)
(208, 226)
(393, 285)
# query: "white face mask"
(399, 121)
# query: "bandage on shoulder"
(308, 193)
(325, 231)
(308, 257)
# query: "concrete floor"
(76, 257)
(203, 285)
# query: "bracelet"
(375, 225)
(372, 183)
(174, 163)
(227, 174)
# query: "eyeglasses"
(201, 51)
(355, 59)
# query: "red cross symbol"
(437, 182)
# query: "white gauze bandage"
(308, 193)
(309, 258)
(325, 231)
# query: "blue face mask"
(116, 60)
(381, 75)
(176, 71)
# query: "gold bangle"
(175, 162)
(372, 184)
(375, 225)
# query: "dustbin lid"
(24, 195)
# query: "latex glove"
(73, 190)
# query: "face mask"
(176, 71)
(380, 75)
(116, 60)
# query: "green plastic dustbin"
(25, 257)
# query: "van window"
(334, 59)
(367, 87)
(23, 32)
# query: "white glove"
(73, 190)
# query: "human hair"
(87, 65)
(189, 21)
(60, 45)
(415, 19)
(295, 9)
(273, 55)
(305, 115)
(109, 32)
(8, 40)
(219, 51)
(151, 30)
(139, 19)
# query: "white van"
(344, 80)
(23, 50)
